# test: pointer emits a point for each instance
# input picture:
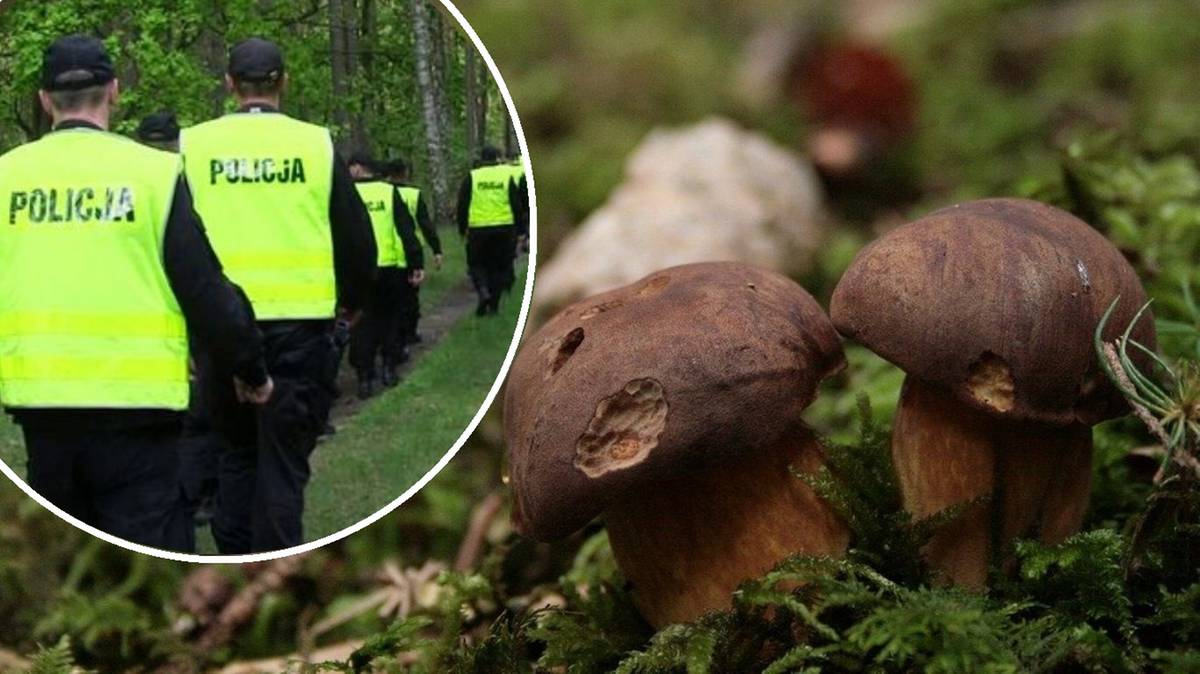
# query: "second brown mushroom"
(672, 407)
(989, 307)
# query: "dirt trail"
(436, 322)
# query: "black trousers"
(490, 252)
(122, 481)
(381, 330)
(200, 447)
(412, 314)
(264, 463)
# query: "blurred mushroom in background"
(859, 99)
(712, 191)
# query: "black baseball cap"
(256, 60)
(76, 62)
(362, 159)
(397, 167)
(160, 127)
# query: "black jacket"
(405, 227)
(425, 223)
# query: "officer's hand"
(523, 243)
(417, 277)
(437, 262)
(350, 317)
(254, 396)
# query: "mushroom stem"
(685, 545)
(1037, 479)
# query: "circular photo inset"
(263, 264)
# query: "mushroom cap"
(997, 301)
(685, 368)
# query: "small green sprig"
(1170, 409)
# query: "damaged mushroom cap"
(996, 301)
(687, 367)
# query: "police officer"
(487, 217)
(414, 201)
(160, 130)
(290, 228)
(199, 448)
(400, 271)
(519, 194)
(104, 268)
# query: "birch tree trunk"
(435, 136)
(438, 39)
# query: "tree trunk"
(340, 65)
(511, 145)
(438, 34)
(358, 132)
(214, 55)
(474, 129)
(39, 124)
(484, 82)
(435, 137)
(368, 44)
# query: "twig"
(402, 590)
(337, 652)
(1123, 382)
(245, 603)
(481, 520)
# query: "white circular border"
(458, 445)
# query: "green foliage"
(402, 636)
(1068, 607)
(1145, 196)
(836, 411)
(1002, 82)
(858, 480)
(601, 625)
(55, 660)
(1081, 581)
(170, 55)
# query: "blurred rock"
(713, 191)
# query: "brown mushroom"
(989, 307)
(672, 406)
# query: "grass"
(399, 436)
(453, 271)
(12, 445)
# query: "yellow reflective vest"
(262, 183)
(517, 167)
(489, 197)
(379, 199)
(412, 201)
(87, 315)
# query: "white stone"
(713, 191)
